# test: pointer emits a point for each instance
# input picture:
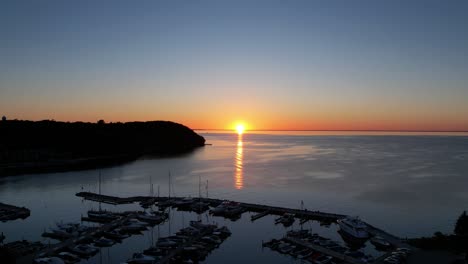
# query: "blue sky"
(272, 64)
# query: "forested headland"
(46, 146)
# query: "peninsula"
(50, 146)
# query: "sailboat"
(162, 205)
(200, 206)
(150, 201)
(101, 215)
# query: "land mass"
(50, 146)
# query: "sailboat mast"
(169, 184)
(99, 190)
(199, 198)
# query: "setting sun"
(240, 128)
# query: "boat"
(104, 242)
(52, 260)
(234, 211)
(286, 219)
(102, 215)
(222, 232)
(212, 239)
(226, 207)
(139, 258)
(149, 218)
(354, 227)
(323, 259)
(199, 206)
(115, 235)
(155, 251)
(85, 250)
(65, 231)
(183, 203)
(69, 257)
(380, 242)
(133, 228)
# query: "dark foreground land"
(48, 146)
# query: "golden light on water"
(240, 128)
(238, 177)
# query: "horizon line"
(338, 130)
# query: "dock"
(259, 215)
(394, 240)
(257, 208)
(326, 251)
(11, 212)
(111, 199)
(71, 242)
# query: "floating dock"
(11, 212)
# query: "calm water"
(408, 185)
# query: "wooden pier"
(11, 212)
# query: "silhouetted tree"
(101, 122)
(3, 118)
(461, 227)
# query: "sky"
(283, 65)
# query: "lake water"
(409, 185)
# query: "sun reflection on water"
(238, 177)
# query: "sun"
(240, 128)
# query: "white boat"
(354, 227)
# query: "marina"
(193, 243)
(115, 226)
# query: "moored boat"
(380, 242)
(354, 226)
